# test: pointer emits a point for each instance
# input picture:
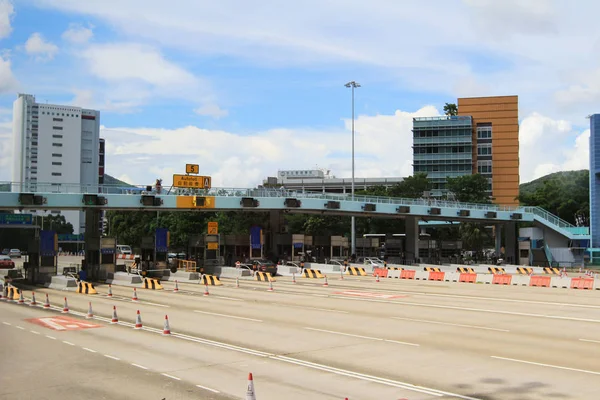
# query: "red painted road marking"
(371, 295)
(61, 323)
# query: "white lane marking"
(289, 360)
(69, 343)
(171, 376)
(207, 388)
(90, 350)
(590, 341)
(139, 366)
(450, 324)
(470, 309)
(19, 327)
(112, 357)
(228, 298)
(227, 316)
(361, 337)
(35, 332)
(320, 309)
(506, 300)
(585, 371)
(50, 337)
(7, 323)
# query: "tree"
(54, 222)
(469, 188)
(450, 109)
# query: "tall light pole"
(353, 85)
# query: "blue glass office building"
(595, 179)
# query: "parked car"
(14, 253)
(5, 251)
(6, 262)
(264, 265)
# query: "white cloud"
(37, 46)
(8, 82)
(211, 110)
(548, 145)
(235, 160)
(6, 149)
(77, 34)
(6, 12)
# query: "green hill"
(560, 177)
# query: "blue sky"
(244, 90)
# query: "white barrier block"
(422, 275)
(484, 278)
(395, 273)
(520, 280)
(560, 282)
(451, 276)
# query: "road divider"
(211, 280)
(357, 271)
(312, 273)
(86, 288)
(582, 283)
(465, 270)
(500, 279)
(524, 270)
(467, 277)
(263, 277)
(552, 270)
(496, 270)
(540, 281)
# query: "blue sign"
(107, 251)
(256, 237)
(48, 243)
(15, 219)
(162, 240)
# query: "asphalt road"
(355, 338)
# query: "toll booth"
(108, 257)
(321, 248)
(339, 247)
(146, 260)
(91, 260)
(235, 248)
(206, 251)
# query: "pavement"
(355, 338)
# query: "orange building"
(496, 133)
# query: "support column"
(411, 247)
(498, 238)
(511, 243)
(92, 243)
(276, 225)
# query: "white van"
(123, 249)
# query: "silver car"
(14, 253)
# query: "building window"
(484, 167)
(484, 149)
(56, 155)
(489, 184)
(57, 163)
(484, 132)
(57, 144)
(57, 136)
(57, 119)
(57, 128)
(56, 174)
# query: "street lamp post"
(353, 85)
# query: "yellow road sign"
(212, 246)
(213, 228)
(192, 181)
(192, 168)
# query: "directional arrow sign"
(61, 323)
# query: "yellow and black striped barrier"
(13, 293)
(358, 271)
(496, 270)
(211, 280)
(152, 283)
(432, 269)
(263, 277)
(86, 288)
(552, 271)
(394, 268)
(465, 270)
(312, 273)
(524, 270)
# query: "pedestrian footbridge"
(77, 197)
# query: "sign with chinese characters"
(192, 181)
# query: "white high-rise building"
(56, 150)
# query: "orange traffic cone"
(90, 313)
(293, 277)
(176, 287)
(115, 319)
(21, 298)
(134, 298)
(109, 291)
(270, 289)
(47, 303)
(65, 307)
(326, 284)
(377, 278)
(237, 282)
(166, 328)
(33, 302)
(250, 392)
(341, 274)
(206, 290)
(138, 321)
